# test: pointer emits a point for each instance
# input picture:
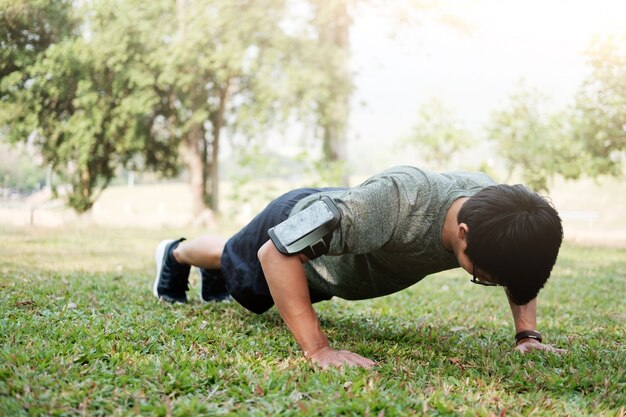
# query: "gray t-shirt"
(390, 232)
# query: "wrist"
(311, 354)
(312, 348)
(528, 334)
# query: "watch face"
(303, 223)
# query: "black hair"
(514, 235)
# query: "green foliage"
(438, 135)
(107, 84)
(534, 140)
(87, 100)
(599, 118)
(225, 53)
(226, 70)
(29, 27)
(81, 334)
(587, 139)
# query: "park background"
(473, 85)
(125, 122)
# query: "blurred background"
(195, 113)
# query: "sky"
(399, 67)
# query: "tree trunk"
(334, 22)
(214, 172)
(190, 148)
(217, 120)
(192, 155)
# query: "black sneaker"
(171, 281)
(213, 286)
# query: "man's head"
(514, 235)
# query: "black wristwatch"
(528, 334)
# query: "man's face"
(468, 265)
(464, 262)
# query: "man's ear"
(462, 231)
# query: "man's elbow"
(266, 252)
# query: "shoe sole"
(159, 258)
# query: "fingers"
(357, 360)
(550, 348)
(340, 358)
(534, 345)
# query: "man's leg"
(203, 252)
(174, 259)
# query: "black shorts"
(241, 268)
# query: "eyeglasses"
(476, 280)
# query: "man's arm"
(287, 283)
(525, 318)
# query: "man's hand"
(525, 317)
(327, 357)
(287, 282)
(528, 345)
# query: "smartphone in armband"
(309, 231)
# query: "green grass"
(81, 334)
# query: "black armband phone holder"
(308, 232)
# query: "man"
(387, 234)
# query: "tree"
(437, 134)
(102, 84)
(586, 139)
(28, 28)
(534, 140)
(229, 74)
(333, 21)
(132, 83)
(599, 117)
(86, 100)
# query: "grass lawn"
(81, 334)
